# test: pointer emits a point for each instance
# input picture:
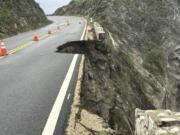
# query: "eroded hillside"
(137, 66)
(20, 15)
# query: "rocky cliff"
(18, 16)
(137, 66)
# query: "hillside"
(18, 16)
(137, 66)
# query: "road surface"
(31, 80)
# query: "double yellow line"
(30, 42)
(20, 47)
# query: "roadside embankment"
(111, 86)
(142, 68)
(18, 16)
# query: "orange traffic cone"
(35, 37)
(49, 31)
(3, 48)
(58, 27)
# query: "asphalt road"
(31, 79)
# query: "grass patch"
(103, 133)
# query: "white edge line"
(82, 37)
(68, 96)
(56, 109)
(54, 115)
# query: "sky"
(49, 6)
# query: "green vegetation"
(102, 133)
(18, 16)
(154, 60)
(5, 17)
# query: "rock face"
(157, 122)
(137, 66)
(20, 15)
(111, 86)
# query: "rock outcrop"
(157, 122)
(137, 66)
(20, 15)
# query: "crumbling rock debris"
(157, 122)
(108, 77)
(141, 66)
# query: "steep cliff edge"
(18, 16)
(137, 66)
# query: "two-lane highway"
(36, 83)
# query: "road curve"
(31, 78)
